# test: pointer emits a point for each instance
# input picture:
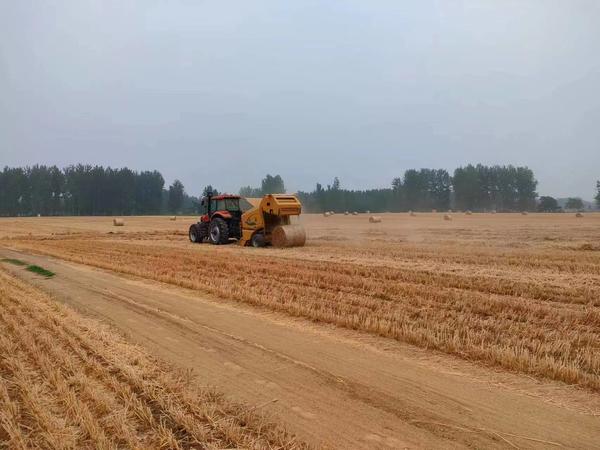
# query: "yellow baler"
(268, 222)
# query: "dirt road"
(335, 388)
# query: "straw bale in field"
(118, 222)
(375, 219)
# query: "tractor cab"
(220, 219)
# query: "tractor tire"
(219, 231)
(193, 234)
(202, 228)
(258, 240)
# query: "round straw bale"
(412, 213)
(367, 212)
(118, 222)
(579, 214)
(434, 210)
(468, 213)
(354, 213)
(447, 217)
(524, 213)
(173, 218)
(346, 213)
(375, 219)
(288, 236)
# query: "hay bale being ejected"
(288, 236)
(375, 219)
(118, 222)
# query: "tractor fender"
(226, 215)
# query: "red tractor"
(220, 220)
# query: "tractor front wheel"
(202, 229)
(219, 231)
(193, 233)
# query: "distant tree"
(249, 191)
(548, 204)
(598, 194)
(211, 189)
(272, 185)
(467, 188)
(439, 189)
(574, 203)
(57, 186)
(526, 186)
(176, 196)
(397, 194)
(148, 192)
(335, 186)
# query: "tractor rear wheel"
(219, 231)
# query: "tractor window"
(231, 204)
(204, 207)
(213, 206)
(245, 205)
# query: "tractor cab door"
(204, 212)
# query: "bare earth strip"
(67, 382)
(341, 388)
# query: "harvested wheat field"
(416, 332)
(70, 382)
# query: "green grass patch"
(40, 271)
(16, 262)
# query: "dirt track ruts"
(338, 388)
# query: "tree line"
(97, 190)
(475, 188)
(88, 190)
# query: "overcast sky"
(223, 92)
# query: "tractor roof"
(224, 196)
